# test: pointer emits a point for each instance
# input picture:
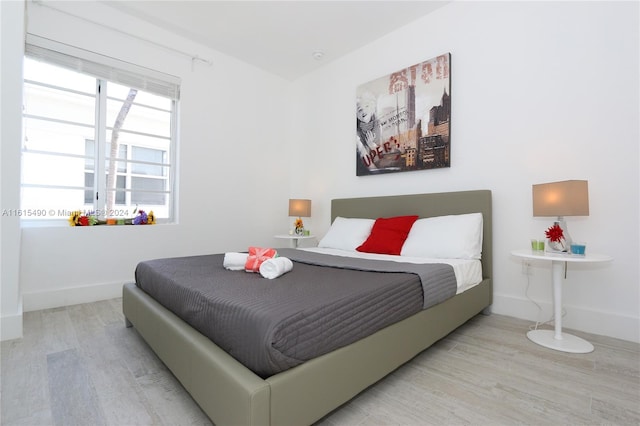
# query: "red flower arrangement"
(555, 234)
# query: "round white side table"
(556, 339)
(294, 238)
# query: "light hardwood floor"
(79, 365)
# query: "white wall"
(233, 177)
(540, 92)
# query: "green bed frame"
(231, 394)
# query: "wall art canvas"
(403, 119)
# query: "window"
(96, 137)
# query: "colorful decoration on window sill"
(144, 219)
(78, 218)
(299, 226)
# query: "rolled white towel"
(235, 261)
(275, 267)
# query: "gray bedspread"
(273, 325)
(438, 280)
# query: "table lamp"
(565, 198)
(300, 208)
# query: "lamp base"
(554, 247)
(560, 246)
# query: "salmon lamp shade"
(565, 198)
(300, 208)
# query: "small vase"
(556, 246)
(299, 231)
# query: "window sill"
(64, 223)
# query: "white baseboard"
(11, 327)
(70, 296)
(610, 324)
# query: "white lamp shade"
(300, 208)
(566, 198)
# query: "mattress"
(273, 325)
(468, 272)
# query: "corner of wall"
(11, 326)
(11, 52)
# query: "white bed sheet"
(468, 272)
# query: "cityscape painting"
(403, 119)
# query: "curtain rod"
(193, 57)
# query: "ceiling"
(280, 36)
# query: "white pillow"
(445, 237)
(347, 233)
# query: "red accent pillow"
(388, 235)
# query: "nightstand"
(294, 238)
(556, 339)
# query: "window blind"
(103, 67)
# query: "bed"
(230, 393)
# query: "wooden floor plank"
(73, 398)
(80, 365)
